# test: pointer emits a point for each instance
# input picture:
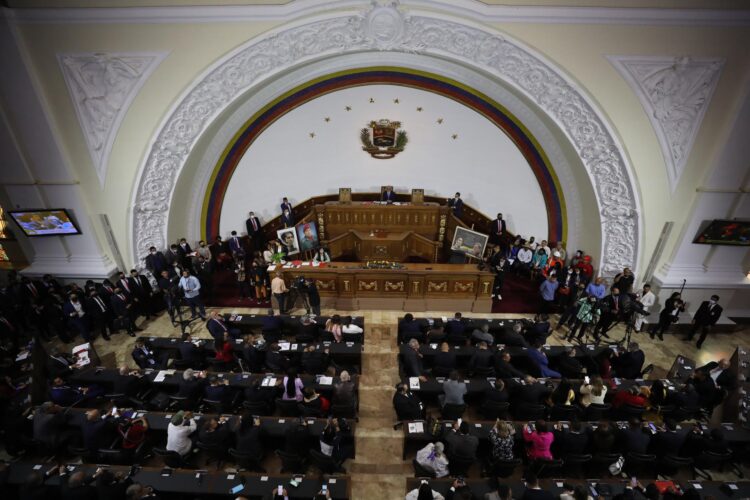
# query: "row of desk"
(596, 487)
(253, 323)
(197, 483)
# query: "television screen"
(53, 222)
(725, 232)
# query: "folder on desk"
(416, 427)
(160, 376)
(413, 382)
(268, 382)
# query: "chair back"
(323, 462)
(287, 407)
(484, 371)
(171, 458)
(547, 468)
(565, 413)
(529, 411)
(257, 407)
(247, 461)
(420, 471)
(596, 412)
(291, 462)
(346, 410)
(492, 410)
(504, 468)
(116, 456)
(459, 466)
(452, 411)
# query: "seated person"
(531, 392)
(97, 432)
(534, 491)
(669, 441)
(315, 360)
(512, 337)
(217, 390)
(432, 458)
(572, 440)
(312, 403)
(292, 385)
(483, 334)
(128, 382)
(444, 361)
(333, 329)
(503, 366)
(179, 429)
(191, 353)
(497, 392)
(539, 440)
(322, 256)
(593, 391)
(276, 362)
(409, 329)
(629, 364)
(539, 331)
(250, 436)
(539, 358)
(412, 360)
(563, 395)
(630, 396)
(350, 330)
(435, 333)
(460, 442)
(256, 393)
(720, 373)
(569, 366)
(407, 404)
(145, 357)
(308, 330)
(455, 330)
(225, 351)
(635, 437)
(603, 438)
(481, 361)
(454, 390)
(215, 432)
(133, 433)
(344, 391)
(424, 492)
(67, 395)
(271, 326)
(192, 386)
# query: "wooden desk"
(335, 219)
(384, 245)
(415, 287)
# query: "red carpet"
(520, 295)
(226, 293)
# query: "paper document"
(160, 376)
(283, 346)
(413, 382)
(325, 380)
(416, 427)
(81, 353)
(268, 382)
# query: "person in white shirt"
(178, 432)
(546, 247)
(321, 256)
(647, 299)
(523, 259)
(432, 459)
(349, 327)
(192, 288)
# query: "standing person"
(647, 299)
(457, 205)
(596, 288)
(279, 290)
(255, 232)
(192, 289)
(588, 314)
(624, 280)
(141, 292)
(123, 309)
(285, 205)
(610, 311)
(101, 314)
(497, 284)
(497, 230)
(313, 296)
(78, 320)
(259, 280)
(242, 279)
(155, 261)
(388, 195)
(670, 314)
(547, 292)
(167, 287)
(705, 317)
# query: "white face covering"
(712, 302)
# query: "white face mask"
(712, 302)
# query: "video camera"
(299, 283)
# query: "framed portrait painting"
(468, 242)
(288, 239)
(307, 235)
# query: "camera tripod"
(177, 316)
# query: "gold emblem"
(383, 139)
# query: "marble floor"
(379, 471)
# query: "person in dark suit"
(217, 390)
(512, 337)
(629, 364)
(155, 261)
(172, 256)
(460, 442)
(412, 359)
(255, 232)
(315, 360)
(611, 307)
(123, 309)
(307, 331)
(482, 361)
(235, 246)
(457, 205)
(531, 392)
(77, 317)
(192, 385)
(409, 328)
(444, 361)
(217, 327)
(127, 382)
(388, 195)
(497, 230)
(670, 314)
(275, 360)
(720, 373)
(76, 486)
(705, 317)
(59, 364)
(569, 366)
(503, 367)
(570, 441)
(313, 296)
(142, 293)
(669, 441)
(95, 431)
(101, 314)
(191, 353)
(635, 438)
(286, 205)
(145, 357)
(455, 330)
(271, 326)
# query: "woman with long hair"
(593, 392)
(292, 386)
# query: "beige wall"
(579, 50)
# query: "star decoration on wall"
(395, 101)
(419, 109)
(372, 100)
(348, 108)
(312, 135)
(327, 119)
(440, 121)
(454, 136)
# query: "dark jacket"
(707, 315)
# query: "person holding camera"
(670, 314)
(168, 288)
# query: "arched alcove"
(257, 70)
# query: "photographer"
(169, 290)
(670, 314)
(298, 289)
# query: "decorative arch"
(389, 29)
(482, 104)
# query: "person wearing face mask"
(77, 319)
(101, 314)
(457, 205)
(647, 299)
(254, 231)
(611, 307)
(670, 314)
(705, 317)
(203, 251)
(155, 261)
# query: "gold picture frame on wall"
(345, 195)
(417, 196)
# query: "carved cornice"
(457, 41)
(102, 86)
(675, 93)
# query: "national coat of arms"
(383, 139)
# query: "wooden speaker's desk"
(337, 218)
(414, 287)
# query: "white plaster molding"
(700, 276)
(471, 9)
(428, 33)
(102, 86)
(675, 92)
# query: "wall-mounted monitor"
(45, 222)
(725, 232)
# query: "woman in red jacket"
(224, 350)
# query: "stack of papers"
(271, 268)
(416, 427)
(283, 346)
(413, 382)
(268, 382)
(23, 355)
(325, 380)
(81, 352)
(160, 376)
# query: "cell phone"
(633, 482)
(459, 421)
(586, 380)
(324, 488)
(237, 489)
(280, 490)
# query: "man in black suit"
(569, 366)
(720, 373)
(456, 330)
(482, 360)
(183, 252)
(275, 360)
(503, 367)
(457, 205)
(572, 440)
(155, 261)
(145, 357)
(271, 326)
(407, 405)
(217, 327)
(285, 205)
(59, 364)
(635, 438)
(172, 255)
(123, 309)
(142, 292)
(168, 287)
(190, 353)
(192, 385)
(629, 364)
(412, 359)
(531, 392)
(255, 232)
(388, 195)
(460, 442)
(512, 337)
(669, 441)
(533, 491)
(307, 331)
(314, 360)
(127, 382)
(610, 307)
(409, 328)
(101, 314)
(705, 317)
(497, 230)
